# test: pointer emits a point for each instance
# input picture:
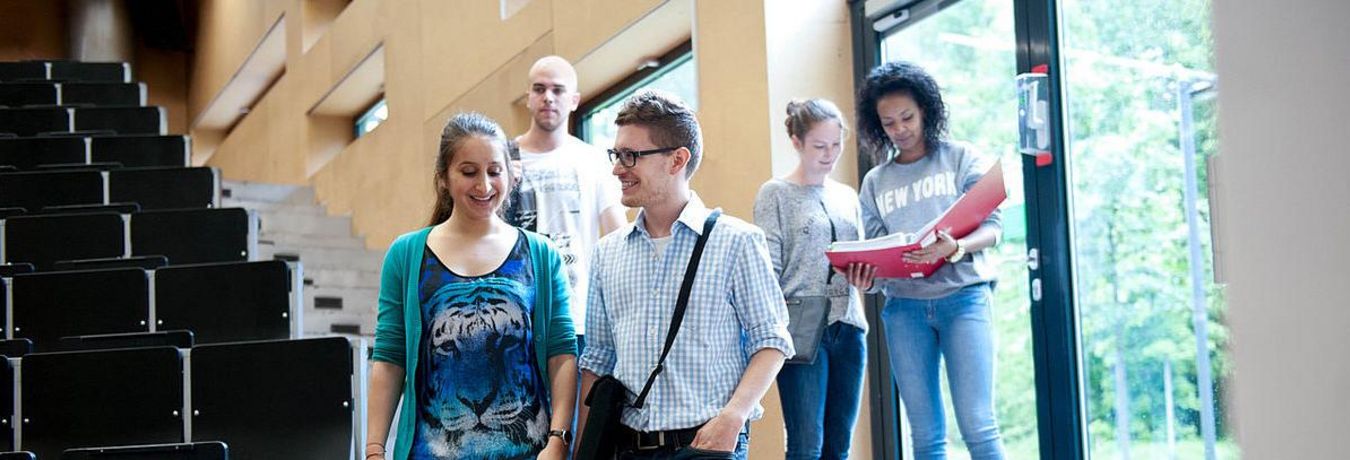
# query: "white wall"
(1283, 218)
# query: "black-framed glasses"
(628, 158)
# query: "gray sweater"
(794, 221)
(902, 198)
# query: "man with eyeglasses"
(565, 191)
(733, 337)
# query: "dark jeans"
(820, 400)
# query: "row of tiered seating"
(72, 94)
(137, 321)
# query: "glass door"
(1140, 123)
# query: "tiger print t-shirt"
(480, 393)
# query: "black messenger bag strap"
(680, 306)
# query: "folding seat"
(227, 302)
(177, 339)
(51, 305)
(108, 72)
(101, 398)
(29, 93)
(122, 120)
(34, 190)
(44, 239)
(165, 188)
(191, 236)
(35, 120)
(145, 262)
(29, 152)
(184, 451)
(141, 150)
(23, 70)
(103, 94)
(20, 455)
(278, 399)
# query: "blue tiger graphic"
(482, 388)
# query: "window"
(372, 117)
(675, 72)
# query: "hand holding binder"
(964, 216)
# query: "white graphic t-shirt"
(561, 196)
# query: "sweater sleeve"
(390, 340)
(768, 220)
(562, 338)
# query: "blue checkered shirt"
(735, 309)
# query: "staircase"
(341, 276)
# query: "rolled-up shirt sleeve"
(757, 298)
(598, 355)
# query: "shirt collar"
(692, 217)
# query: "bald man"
(566, 190)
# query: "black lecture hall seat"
(165, 188)
(31, 121)
(122, 120)
(106, 72)
(141, 150)
(102, 398)
(23, 70)
(34, 190)
(29, 93)
(50, 305)
(209, 300)
(103, 94)
(43, 240)
(30, 152)
(278, 399)
(192, 236)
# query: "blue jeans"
(922, 333)
(820, 400)
(690, 453)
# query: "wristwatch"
(565, 435)
(960, 252)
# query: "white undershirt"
(661, 244)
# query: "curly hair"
(905, 78)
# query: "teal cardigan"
(401, 311)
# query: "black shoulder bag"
(608, 396)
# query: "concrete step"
(291, 241)
(320, 322)
(342, 277)
(300, 224)
(276, 207)
(274, 193)
(328, 258)
(364, 301)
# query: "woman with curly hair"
(944, 317)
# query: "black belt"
(633, 440)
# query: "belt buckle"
(660, 441)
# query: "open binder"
(963, 217)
